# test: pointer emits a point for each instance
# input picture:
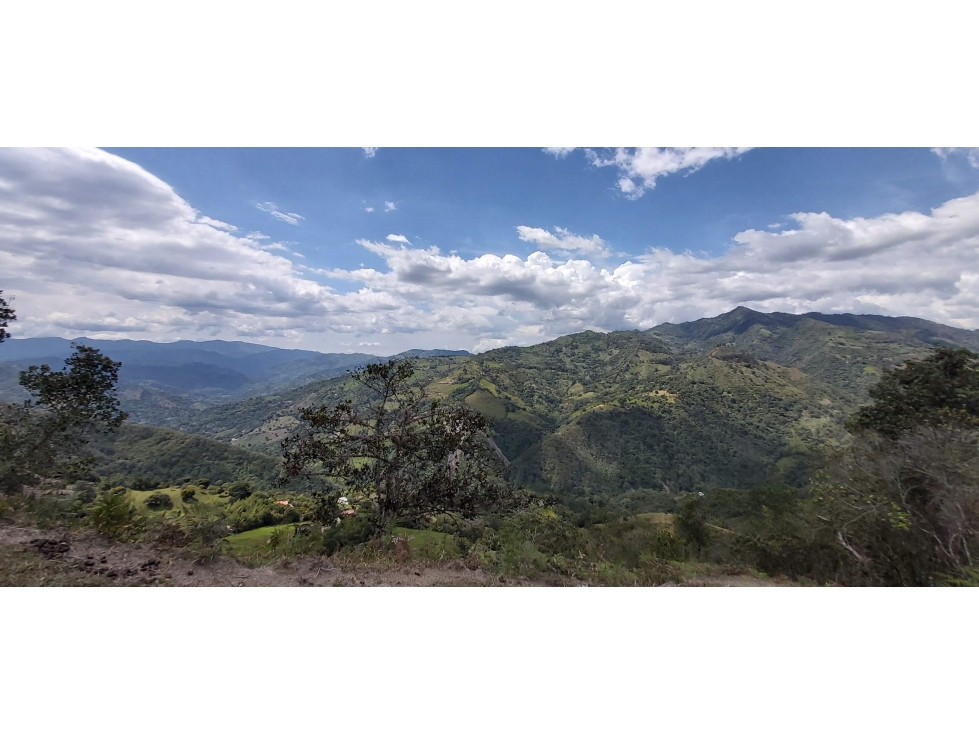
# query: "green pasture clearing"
(201, 497)
(255, 540)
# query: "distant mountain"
(164, 383)
(726, 401)
(845, 350)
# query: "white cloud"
(563, 241)
(558, 152)
(287, 217)
(370, 152)
(971, 154)
(398, 238)
(774, 225)
(368, 209)
(389, 206)
(640, 167)
(91, 243)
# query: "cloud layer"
(640, 167)
(91, 243)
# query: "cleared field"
(255, 540)
(200, 498)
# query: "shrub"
(84, 492)
(351, 530)
(187, 494)
(238, 491)
(159, 501)
(203, 483)
(115, 517)
(206, 527)
(259, 511)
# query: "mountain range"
(729, 401)
(162, 383)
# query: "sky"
(384, 249)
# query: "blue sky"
(472, 199)
(386, 249)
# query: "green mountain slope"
(169, 456)
(727, 401)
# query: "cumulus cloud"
(287, 217)
(640, 167)
(91, 243)
(389, 206)
(558, 152)
(368, 209)
(370, 152)
(971, 154)
(398, 238)
(563, 241)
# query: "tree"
(903, 498)
(401, 455)
(942, 389)
(45, 436)
(6, 316)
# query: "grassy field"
(201, 498)
(253, 541)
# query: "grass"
(254, 541)
(201, 498)
(428, 544)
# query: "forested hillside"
(165, 384)
(725, 402)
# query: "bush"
(351, 530)
(84, 492)
(238, 491)
(203, 483)
(259, 511)
(159, 501)
(187, 494)
(206, 527)
(115, 517)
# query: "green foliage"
(240, 490)
(45, 437)
(163, 456)
(259, 510)
(206, 527)
(159, 501)
(691, 525)
(115, 517)
(188, 494)
(350, 531)
(7, 315)
(942, 389)
(405, 454)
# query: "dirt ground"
(35, 557)
(93, 561)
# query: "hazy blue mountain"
(164, 383)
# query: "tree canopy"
(6, 316)
(44, 437)
(942, 389)
(401, 454)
